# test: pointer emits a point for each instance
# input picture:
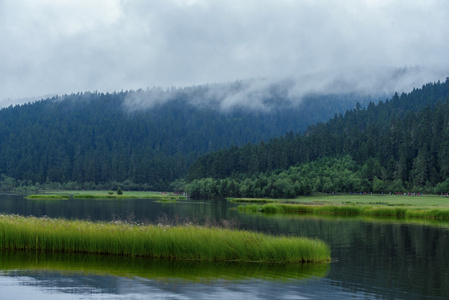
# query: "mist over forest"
(147, 139)
(157, 139)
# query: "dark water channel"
(372, 258)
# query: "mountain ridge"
(401, 143)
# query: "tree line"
(326, 175)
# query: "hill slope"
(146, 139)
(403, 142)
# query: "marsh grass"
(384, 200)
(250, 200)
(167, 200)
(250, 208)
(92, 194)
(352, 209)
(48, 197)
(438, 214)
(187, 242)
(124, 196)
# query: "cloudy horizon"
(58, 47)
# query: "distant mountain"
(147, 139)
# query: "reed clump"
(186, 242)
(251, 208)
(251, 200)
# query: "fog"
(265, 94)
(304, 46)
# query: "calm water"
(372, 258)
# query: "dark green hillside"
(99, 140)
(402, 143)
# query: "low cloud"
(265, 94)
(69, 46)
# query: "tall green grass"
(362, 210)
(156, 242)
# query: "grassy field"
(156, 242)
(387, 200)
(107, 195)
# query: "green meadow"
(186, 242)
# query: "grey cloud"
(63, 47)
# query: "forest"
(182, 140)
(144, 139)
(400, 145)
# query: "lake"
(371, 258)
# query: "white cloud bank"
(56, 47)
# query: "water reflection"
(137, 210)
(44, 287)
(163, 270)
(69, 276)
(398, 259)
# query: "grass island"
(187, 242)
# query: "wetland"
(372, 257)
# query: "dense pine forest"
(144, 139)
(188, 139)
(400, 145)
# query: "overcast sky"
(64, 46)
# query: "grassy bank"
(48, 197)
(250, 200)
(155, 242)
(387, 200)
(107, 195)
(352, 209)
